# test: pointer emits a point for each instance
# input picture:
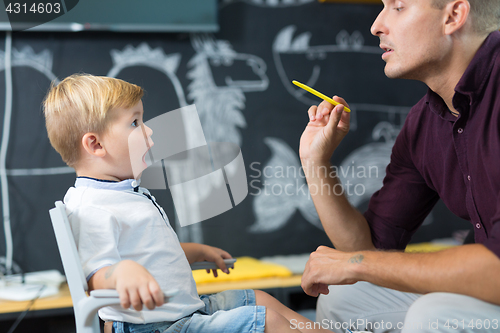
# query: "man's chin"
(396, 74)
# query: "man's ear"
(92, 145)
(457, 12)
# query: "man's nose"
(378, 26)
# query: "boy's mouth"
(149, 146)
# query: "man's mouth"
(387, 50)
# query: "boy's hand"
(200, 252)
(135, 285)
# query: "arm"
(132, 281)
(471, 270)
(345, 226)
(199, 252)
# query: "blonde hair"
(485, 14)
(80, 104)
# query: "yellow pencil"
(317, 93)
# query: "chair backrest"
(69, 254)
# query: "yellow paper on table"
(245, 268)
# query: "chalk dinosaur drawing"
(220, 105)
(41, 62)
(268, 3)
(286, 45)
(144, 55)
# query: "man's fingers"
(340, 100)
(334, 120)
(323, 289)
(312, 112)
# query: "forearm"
(346, 227)
(105, 278)
(193, 251)
(470, 270)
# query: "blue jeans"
(229, 311)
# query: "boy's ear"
(457, 12)
(92, 145)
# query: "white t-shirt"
(111, 222)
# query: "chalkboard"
(240, 81)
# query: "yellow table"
(63, 299)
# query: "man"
(448, 149)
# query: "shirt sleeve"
(96, 233)
(493, 241)
(397, 210)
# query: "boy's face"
(411, 34)
(127, 142)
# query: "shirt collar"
(124, 185)
(478, 72)
(473, 81)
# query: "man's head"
(484, 14)
(421, 37)
(82, 104)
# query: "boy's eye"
(135, 123)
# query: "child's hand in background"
(199, 252)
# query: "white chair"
(85, 307)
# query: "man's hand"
(200, 252)
(327, 126)
(327, 266)
(135, 285)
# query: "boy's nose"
(149, 131)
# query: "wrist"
(359, 266)
(317, 168)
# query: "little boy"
(123, 236)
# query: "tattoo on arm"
(357, 259)
(110, 271)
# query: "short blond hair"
(81, 104)
(485, 14)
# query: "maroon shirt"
(437, 155)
